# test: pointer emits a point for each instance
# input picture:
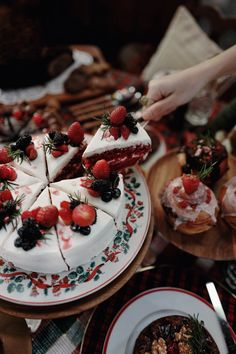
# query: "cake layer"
(45, 257)
(78, 249)
(114, 207)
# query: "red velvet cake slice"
(120, 140)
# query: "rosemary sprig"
(17, 155)
(208, 138)
(76, 198)
(49, 145)
(5, 184)
(205, 171)
(198, 341)
(10, 210)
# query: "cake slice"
(28, 155)
(32, 247)
(120, 140)
(64, 152)
(105, 192)
(80, 243)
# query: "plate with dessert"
(165, 320)
(73, 215)
(194, 198)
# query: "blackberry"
(10, 207)
(60, 139)
(85, 230)
(116, 193)
(74, 227)
(13, 147)
(23, 142)
(106, 196)
(28, 246)
(74, 203)
(100, 185)
(18, 242)
(186, 168)
(51, 135)
(114, 178)
(134, 130)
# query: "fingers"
(160, 109)
(154, 91)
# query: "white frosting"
(100, 144)
(229, 200)
(45, 257)
(198, 198)
(37, 167)
(114, 207)
(79, 249)
(56, 165)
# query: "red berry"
(117, 116)
(57, 153)
(7, 173)
(4, 156)
(75, 133)
(26, 215)
(176, 189)
(183, 204)
(38, 119)
(93, 193)
(47, 216)
(65, 204)
(86, 182)
(101, 170)
(66, 215)
(84, 215)
(34, 212)
(6, 195)
(18, 114)
(31, 152)
(125, 132)
(63, 148)
(190, 183)
(208, 196)
(115, 132)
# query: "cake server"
(216, 303)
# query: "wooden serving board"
(75, 307)
(218, 243)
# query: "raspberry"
(115, 132)
(4, 156)
(66, 215)
(38, 119)
(6, 195)
(125, 132)
(84, 215)
(117, 116)
(65, 205)
(101, 170)
(57, 153)
(47, 216)
(190, 183)
(75, 133)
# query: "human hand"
(167, 93)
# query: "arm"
(177, 89)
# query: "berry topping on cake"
(76, 134)
(66, 215)
(23, 149)
(119, 123)
(190, 183)
(101, 170)
(38, 119)
(4, 156)
(7, 176)
(84, 215)
(5, 195)
(29, 234)
(18, 114)
(56, 144)
(47, 216)
(9, 208)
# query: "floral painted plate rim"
(27, 288)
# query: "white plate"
(151, 305)
(33, 288)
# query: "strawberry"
(93, 193)
(47, 216)
(101, 170)
(84, 215)
(75, 133)
(7, 173)
(6, 195)
(31, 152)
(18, 114)
(38, 119)
(56, 153)
(26, 215)
(190, 183)
(66, 215)
(64, 204)
(4, 156)
(115, 132)
(34, 212)
(125, 132)
(118, 115)
(63, 148)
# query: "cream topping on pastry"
(229, 200)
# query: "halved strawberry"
(125, 132)
(66, 215)
(115, 132)
(101, 169)
(118, 115)
(47, 216)
(84, 215)
(75, 133)
(190, 183)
